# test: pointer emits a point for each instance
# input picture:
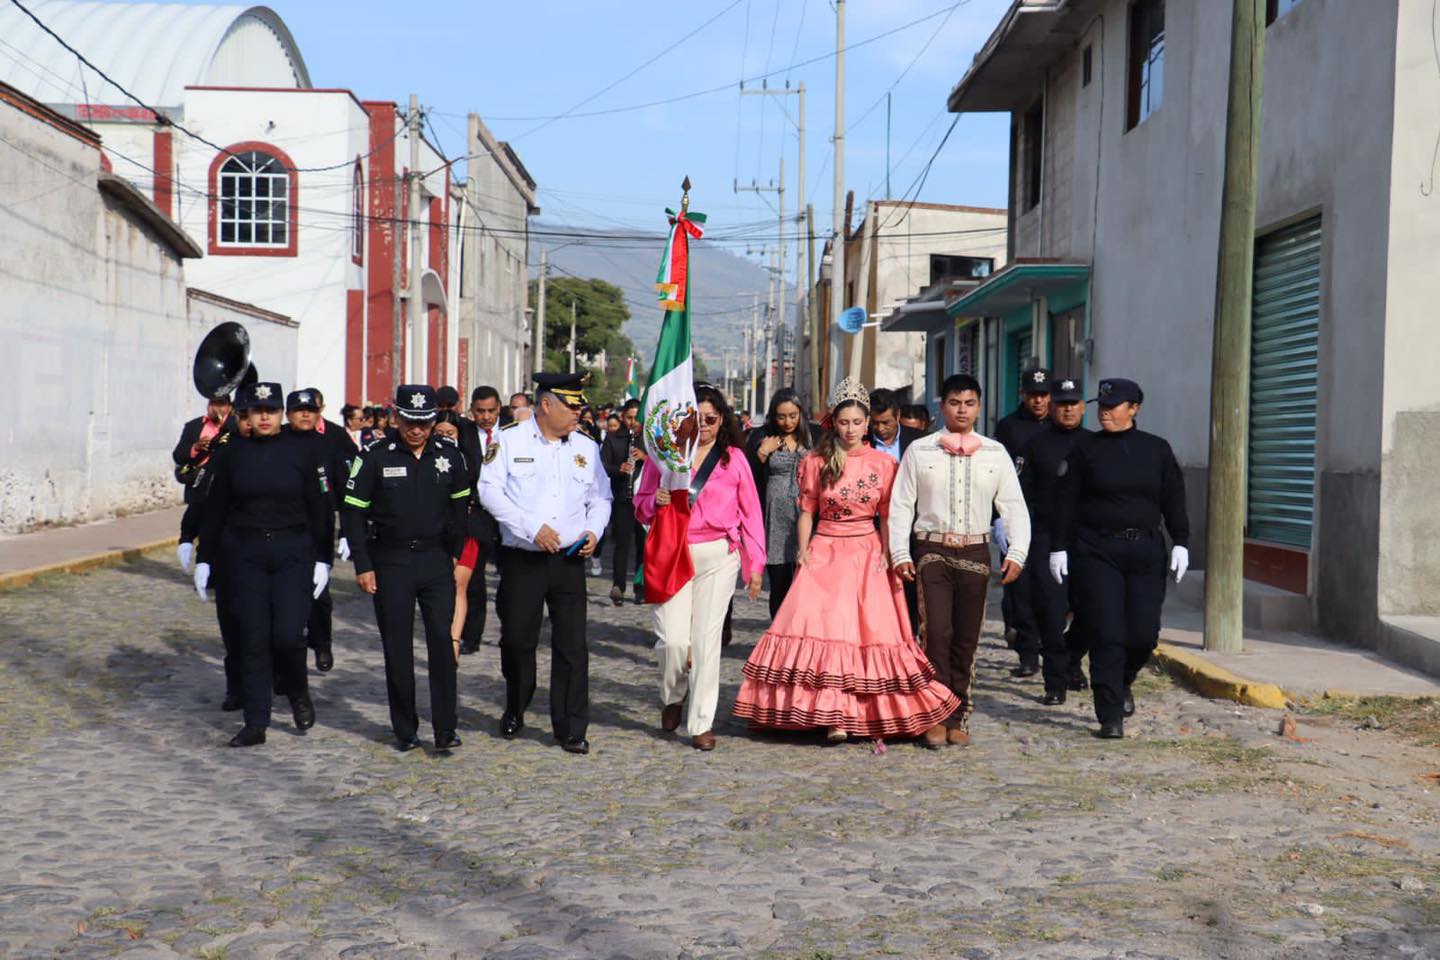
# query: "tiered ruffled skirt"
(840, 653)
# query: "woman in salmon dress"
(839, 655)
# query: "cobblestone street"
(130, 830)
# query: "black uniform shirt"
(1119, 481)
(1042, 465)
(269, 483)
(404, 498)
(1018, 429)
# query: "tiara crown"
(849, 389)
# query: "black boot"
(1129, 705)
(1029, 666)
(1077, 679)
(303, 709)
(248, 736)
(1112, 730)
(1053, 698)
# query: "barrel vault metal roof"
(154, 49)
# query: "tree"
(600, 314)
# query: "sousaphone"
(222, 362)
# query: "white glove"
(1059, 565)
(186, 553)
(344, 549)
(1179, 562)
(997, 533)
(322, 577)
(202, 579)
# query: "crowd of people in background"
(877, 531)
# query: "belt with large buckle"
(955, 540)
(1127, 533)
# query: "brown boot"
(670, 716)
(704, 741)
(934, 738)
(957, 737)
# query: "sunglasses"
(710, 419)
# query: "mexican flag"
(668, 413)
(632, 379)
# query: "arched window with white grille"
(253, 202)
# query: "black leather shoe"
(1129, 705)
(447, 740)
(511, 725)
(407, 744)
(1113, 730)
(324, 660)
(468, 647)
(1077, 681)
(1053, 698)
(575, 745)
(303, 709)
(232, 701)
(1027, 668)
(248, 737)
(617, 595)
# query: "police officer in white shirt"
(548, 492)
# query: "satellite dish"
(852, 320)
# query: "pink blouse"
(728, 508)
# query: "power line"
(168, 121)
(908, 67)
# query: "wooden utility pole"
(1230, 363)
(537, 350)
(812, 315)
(839, 225)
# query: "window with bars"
(357, 213)
(254, 201)
(1147, 60)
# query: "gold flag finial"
(685, 197)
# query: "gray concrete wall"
(93, 316)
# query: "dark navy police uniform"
(1015, 432)
(404, 518)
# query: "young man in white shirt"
(940, 507)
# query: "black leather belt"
(1126, 533)
(263, 533)
(414, 546)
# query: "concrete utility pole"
(812, 317)
(572, 334)
(1230, 363)
(537, 350)
(397, 293)
(419, 316)
(837, 244)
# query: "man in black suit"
(191, 455)
(887, 434)
(479, 434)
(623, 456)
(1030, 419)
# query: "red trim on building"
(291, 249)
(354, 344)
(439, 336)
(164, 166)
(382, 229)
(1287, 568)
(25, 104)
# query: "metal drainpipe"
(1044, 138)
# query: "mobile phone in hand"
(574, 548)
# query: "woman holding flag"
(725, 535)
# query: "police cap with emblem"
(1035, 381)
(302, 400)
(1066, 391)
(1118, 390)
(569, 387)
(415, 401)
(261, 396)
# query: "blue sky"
(515, 62)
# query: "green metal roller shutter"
(1284, 365)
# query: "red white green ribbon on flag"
(673, 278)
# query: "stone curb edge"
(23, 578)
(1218, 683)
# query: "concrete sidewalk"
(25, 556)
(1278, 666)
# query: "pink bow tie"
(959, 444)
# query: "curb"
(23, 578)
(1218, 683)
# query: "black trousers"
(318, 627)
(1120, 586)
(531, 582)
(781, 575)
(477, 597)
(1015, 607)
(268, 585)
(628, 540)
(229, 632)
(402, 579)
(1049, 610)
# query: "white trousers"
(688, 628)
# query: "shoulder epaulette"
(511, 424)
